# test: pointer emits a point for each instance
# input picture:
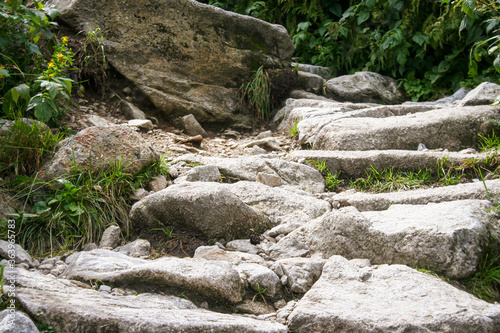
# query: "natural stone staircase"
(326, 261)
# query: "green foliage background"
(432, 46)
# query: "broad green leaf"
(491, 24)
(370, 3)
(4, 72)
(363, 17)
(303, 26)
(14, 95)
(40, 207)
(496, 63)
(468, 7)
(444, 66)
(52, 13)
(492, 49)
(24, 91)
(419, 38)
(43, 111)
(336, 9)
(32, 47)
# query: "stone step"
(489, 190)
(362, 298)
(356, 163)
(338, 126)
(68, 308)
(448, 237)
(453, 128)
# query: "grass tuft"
(23, 147)
(75, 210)
(257, 93)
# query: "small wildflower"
(64, 39)
(51, 75)
(60, 57)
(51, 64)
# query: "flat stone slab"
(388, 299)
(214, 280)
(448, 237)
(240, 168)
(356, 163)
(286, 209)
(69, 308)
(452, 128)
(382, 201)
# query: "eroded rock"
(388, 299)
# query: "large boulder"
(385, 298)
(364, 87)
(69, 308)
(98, 147)
(185, 56)
(448, 237)
(207, 208)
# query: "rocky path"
(284, 255)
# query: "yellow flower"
(51, 75)
(60, 57)
(51, 64)
(65, 39)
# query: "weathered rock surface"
(214, 280)
(447, 237)
(388, 299)
(195, 56)
(261, 279)
(15, 252)
(16, 322)
(98, 147)
(382, 201)
(357, 163)
(301, 273)
(137, 248)
(453, 128)
(286, 209)
(216, 253)
(297, 175)
(364, 87)
(207, 208)
(324, 72)
(110, 237)
(68, 308)
(483, 94)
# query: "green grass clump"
(257, 93)
(294, 131)
(73, 211)
(332, 181)
(489, 142)
(23, 147)
(389, 180)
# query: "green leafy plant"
(257, 93)
(75, 210)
